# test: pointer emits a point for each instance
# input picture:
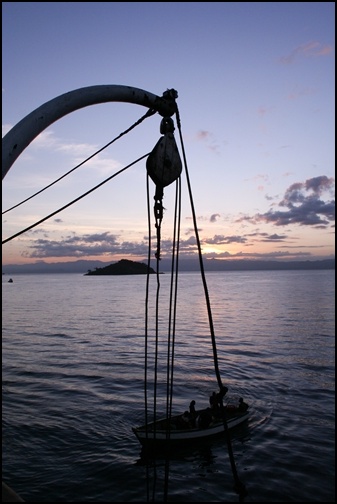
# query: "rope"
(173, 297)
(171, 317)
(239, 487)
(72, 202)
(158, 223)
(202, 271)
(147, 302)
(146, 332)
(148, 114)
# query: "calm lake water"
(73, 386)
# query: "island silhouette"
(122, 267)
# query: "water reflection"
(204, 464)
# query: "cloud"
(76, 153)
(278, 254)
(98, 244)
(301, 92)
(203, 135)
(224, 240)
(275, 238)
(309, 50)
(260, 176)
(320, 184)
(246, 239)
(208, 138)
(262, 111)
(214, 217)
(303, 204)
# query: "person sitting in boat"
(192, 409)
(242, 405)
(213, 401)
(216, 400)
(220, 395)
(205, 418)
(185, 420)
(236, 408)
(193, 413)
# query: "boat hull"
(163, 432)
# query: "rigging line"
(155, 385)
(239, 486)
(146, 331)
(73, 201)
(154, 465)
(173, 301)
(171, 326)
(156, 340)
(147, 300)
(173, 297)
(149, 113)
(176, 284)
(202, 271)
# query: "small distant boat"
(177, 430)
(10, 280)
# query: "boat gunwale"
(147, 433)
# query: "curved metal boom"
(24, 132)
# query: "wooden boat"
(182, 428)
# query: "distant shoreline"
(82, 266)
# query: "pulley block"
(164, 164)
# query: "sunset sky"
(256, 97)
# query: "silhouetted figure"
(213, 401)
(242, 405)
(185, 420)
(205, 418)
(192, 409)
(220, 395)
(193, 413)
